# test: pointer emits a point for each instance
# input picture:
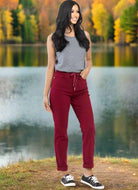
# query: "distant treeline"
(30, 21)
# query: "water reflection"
(36, 55)
(24, 142)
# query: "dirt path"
(113, 173)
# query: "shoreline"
(93, 44)
(113, 172)
(53, 159)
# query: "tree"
(7, 18)
(15, 22)
(21, 15)
(1, 33)
(87, 20)
(21, 19)
(136, 5)
(110, 28)
(28, 36)
(129, 23)
(119, 35)
(121, 6)
(34, 27)
(109, 5)
(99, 17)
(43, 25)
(8, 4)
(27, 5)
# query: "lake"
(35, 55)
(27, 130)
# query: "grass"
(114, 173)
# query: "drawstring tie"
(75, 79)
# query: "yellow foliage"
(121, 6)
(118, 30)
(35, 26)
(119, 34)
(1, 34)
(99, 16)
(7, 18)
(21, 16)
(20, 6)
(1, 31)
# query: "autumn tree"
(129, 23)
(27, 6)
(34, 27)
(109, 5)
(100, 16)
(110, 27)
(6, 16)
(50, 7)
(21, 19)
(87, 21)
(8, 4)
(121, 6)
(28, 36)
(136, 6)
(1, 30)
(119, 35)
(15, 22)
(43, 25)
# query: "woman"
(69, 63)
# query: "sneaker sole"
(69, 184)
(84, 182)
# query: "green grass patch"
(37, 174)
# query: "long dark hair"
(63, 21)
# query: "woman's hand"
(85, 73)
(46, 104)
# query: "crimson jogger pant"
(71, 89)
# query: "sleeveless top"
(72, 57)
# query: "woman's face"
(74, 14)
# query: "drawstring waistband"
(71, 74)
(75, 75)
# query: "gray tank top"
(72, 57)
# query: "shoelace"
(69, 177)
(94, 179)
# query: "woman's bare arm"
(88, 59)
(49, 71)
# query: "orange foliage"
(43, 24)
(87, 23)
(2, 3)
(132, 1)
(44, 4)
(9, 4)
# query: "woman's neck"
(67, 31)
